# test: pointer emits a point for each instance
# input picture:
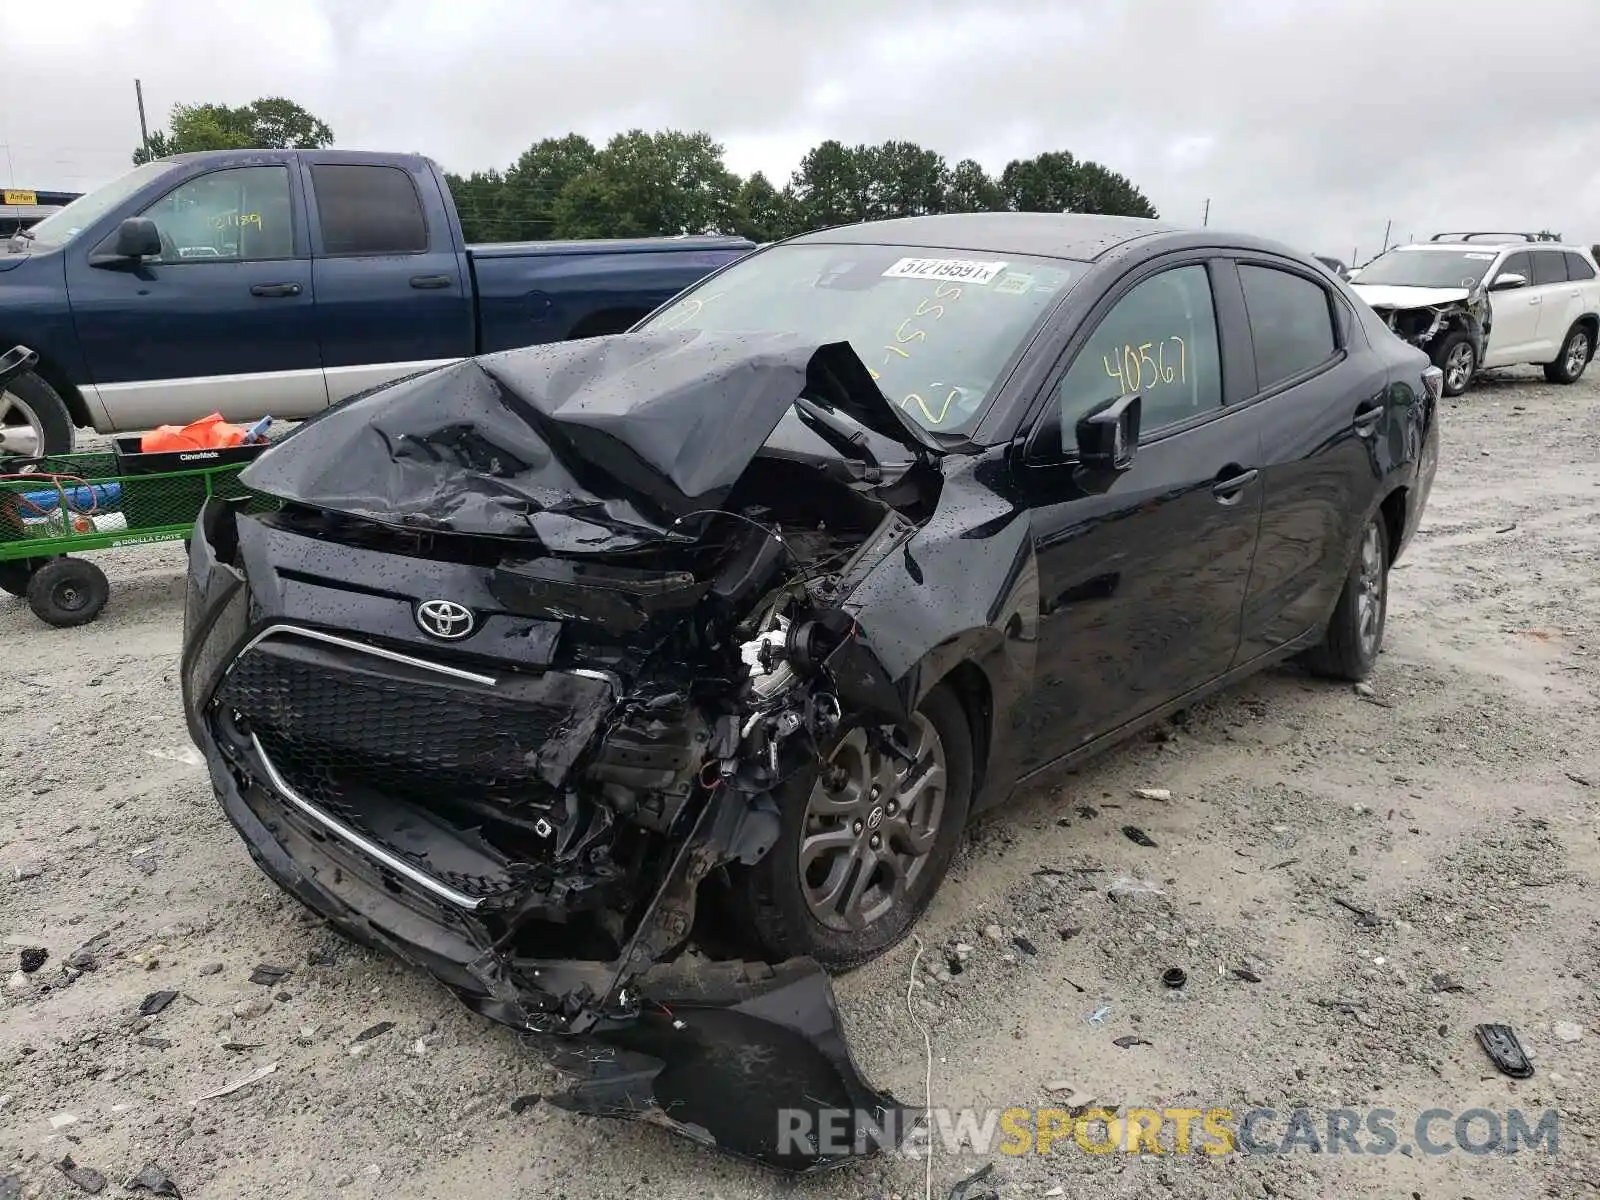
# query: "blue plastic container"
(79, 499)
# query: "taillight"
(1433, 381)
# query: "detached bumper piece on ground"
(519, 662)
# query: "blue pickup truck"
(280, 281)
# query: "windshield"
(935, 327)
(1429, 268)
(62, 227)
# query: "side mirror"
(1108, 437)
(1507, 281)
(137, 239)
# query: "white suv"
(1476, 300)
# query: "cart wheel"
(68, 591)
(14, 575)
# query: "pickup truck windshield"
(935, 327)
(1429, 268)
(60, 228)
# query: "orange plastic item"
(208, 433)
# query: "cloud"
(1315, 121)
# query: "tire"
(33, 408)
(771, 900)
(1350, 647)
(67, 592)
(1575, 354)
(18, 573)
(1458, 359)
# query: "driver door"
(1142, 574)
(223, 320)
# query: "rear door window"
(1290, 323)
(368, 210)
(1549, 266)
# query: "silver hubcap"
(20, 429)
(1458, 366)
(870, 825)
(1577, 353)
(1369, 593)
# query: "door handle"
(430, 281)
(1366, 419)
(1532, 300)
(275, 289)
(1229, 490)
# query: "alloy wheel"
(1577, 353)
(1458, 366)
(871, 822)
(1369, 591)
(21, 431)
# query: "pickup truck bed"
(254, 281)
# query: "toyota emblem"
(445, 619)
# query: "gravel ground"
(1457, 800)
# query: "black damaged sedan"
(621, 682)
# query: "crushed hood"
(595, 444)
(1383, 295)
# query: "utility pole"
(1387, 225)
(1205, 217)
(144, 130)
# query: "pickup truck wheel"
(1349, 649)
(34, 419)
(1575, 354)
(1458, 360)
(864, 842)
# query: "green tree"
(971, 189)
(650, 184)
(904, 180)
(481, 203)
(831, 186)
(764, 214)
(272, 123)
(1057, 182)
(536, 180)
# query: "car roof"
(1078, 236)
(1486, 247)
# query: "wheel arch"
(52, 373)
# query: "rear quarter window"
(1578, 267)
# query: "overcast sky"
(1310, 120)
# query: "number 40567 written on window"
(1148, 365)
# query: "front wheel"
(34, 420)
(1575, 354)
(1349, 648)
(1457, 358)
(865, 841)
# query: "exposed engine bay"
(1427, 326)
(497, 666)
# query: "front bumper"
(735, 1055)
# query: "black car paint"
(1067, 607)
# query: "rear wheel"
(1457, 358)
(34, 419)
(68, 591)
(1575, 354)
(864, 842)
(1349, 648)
